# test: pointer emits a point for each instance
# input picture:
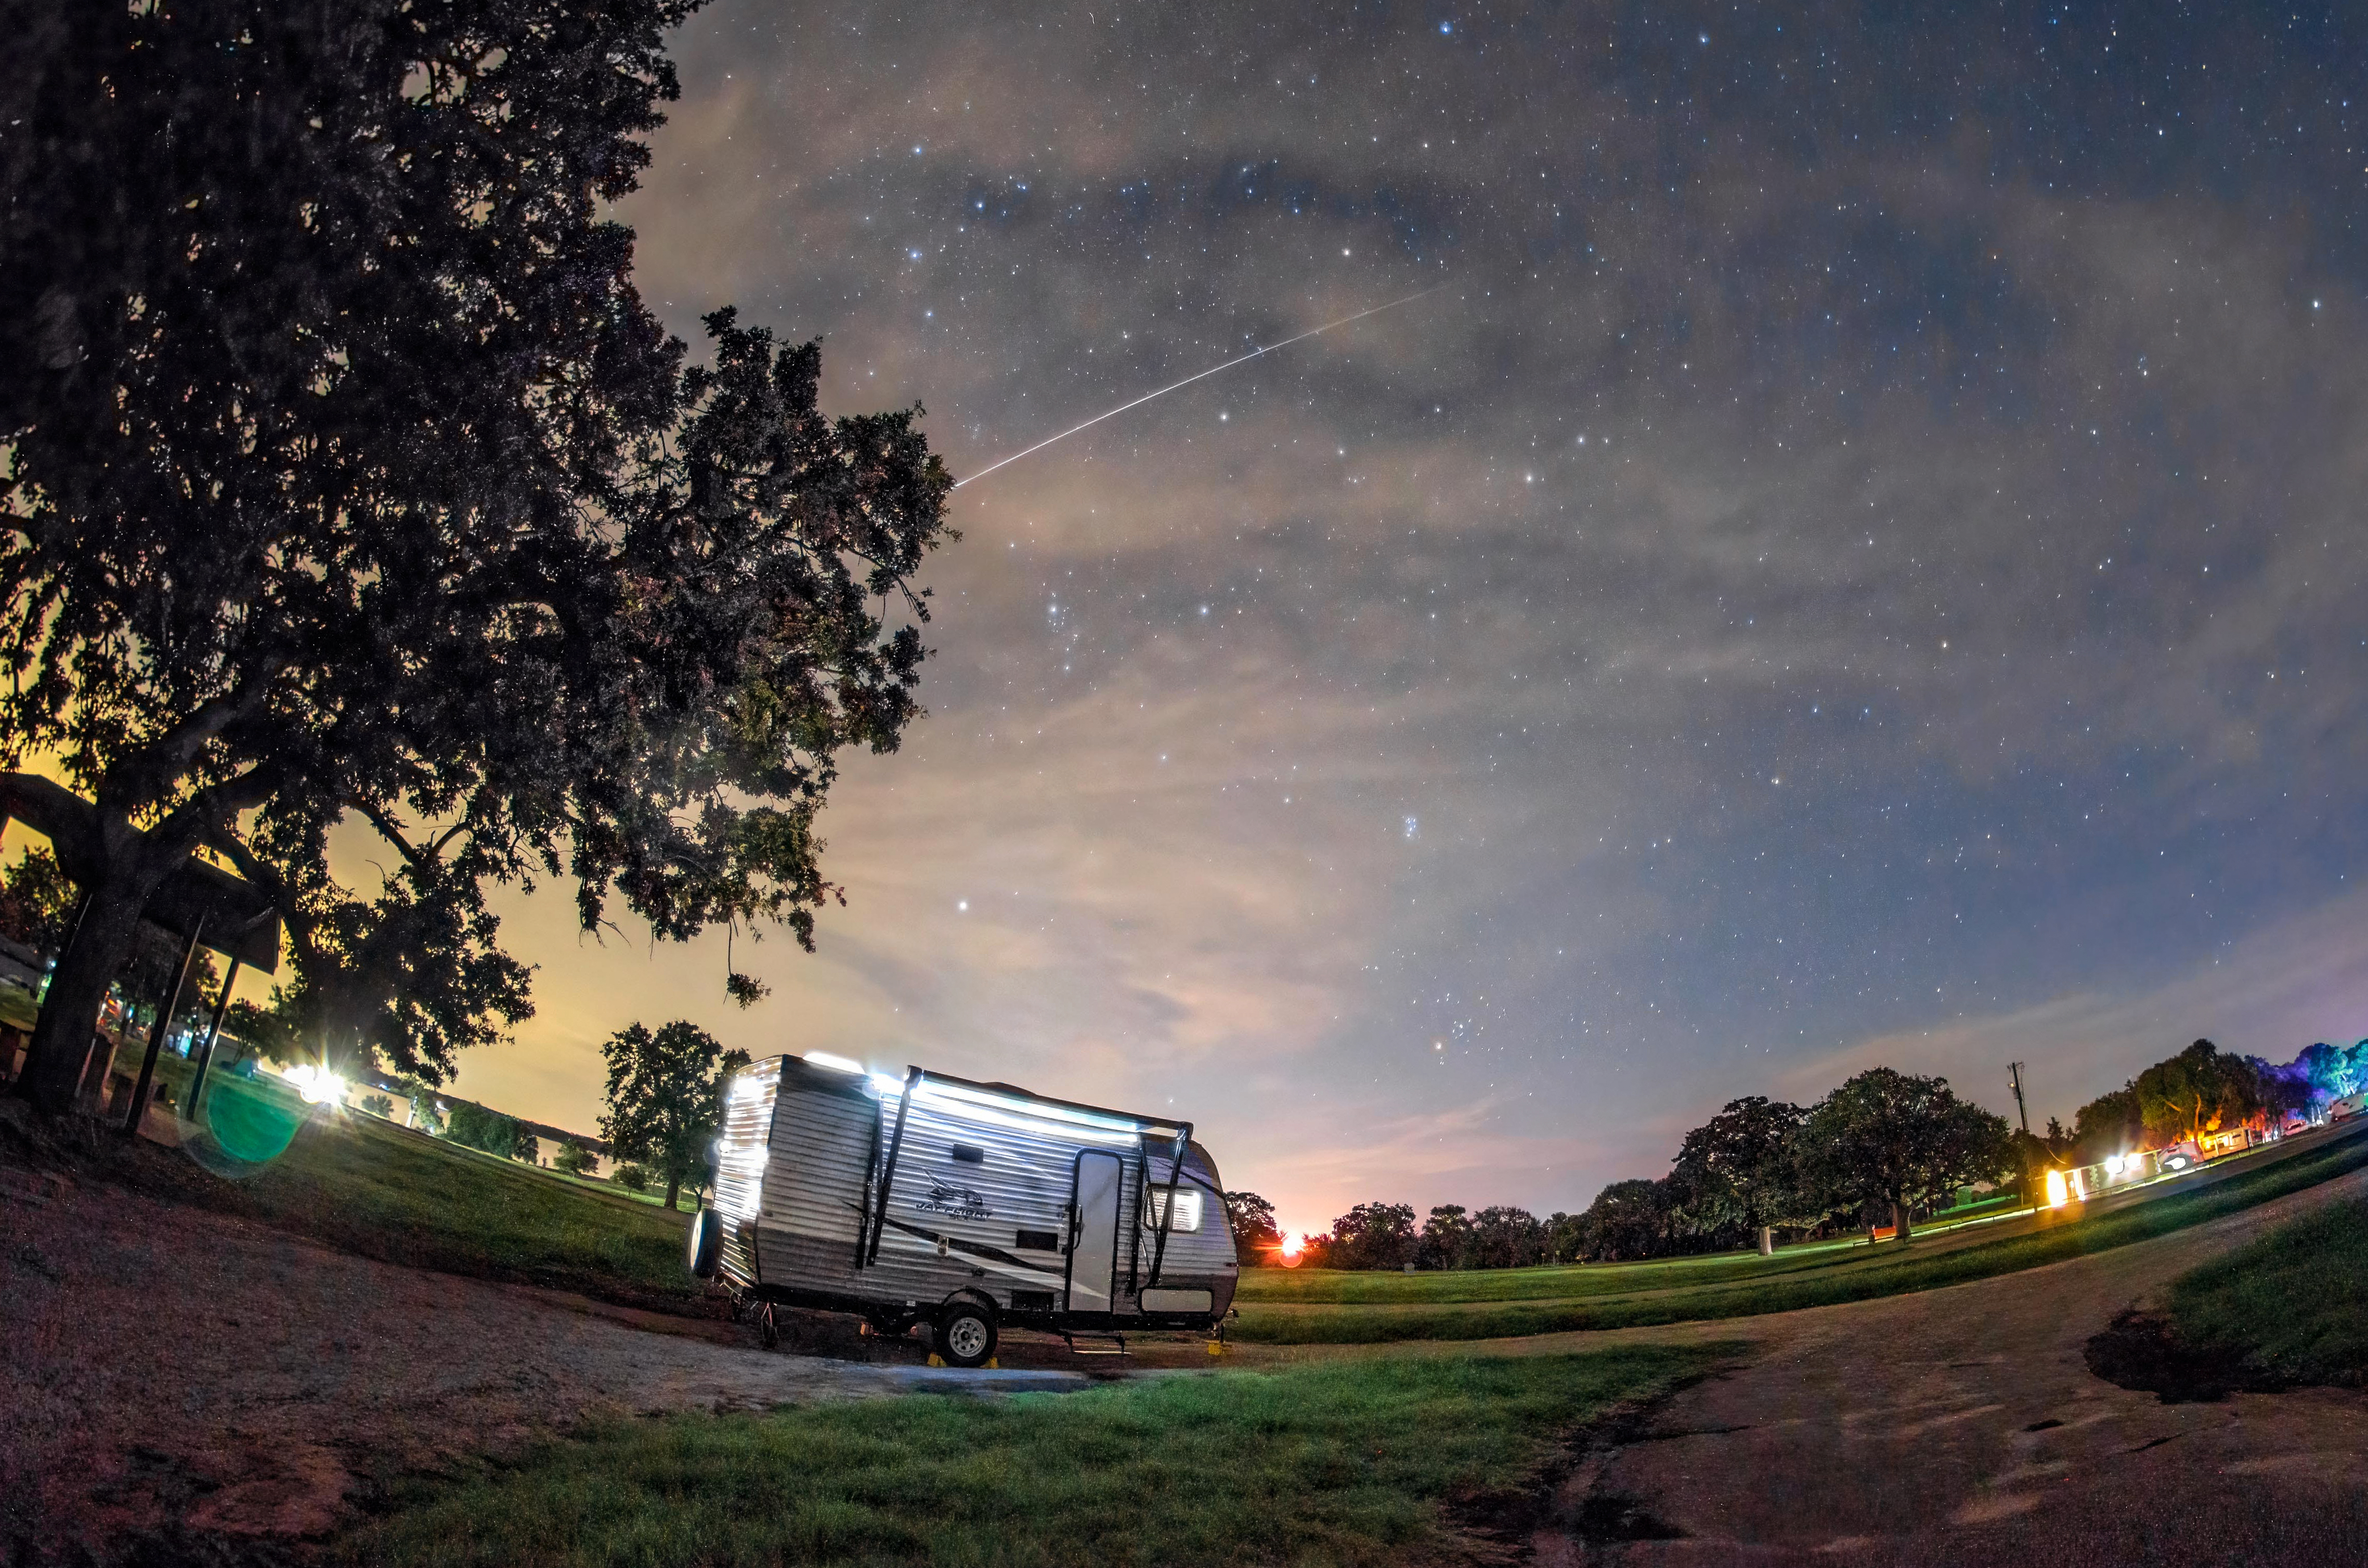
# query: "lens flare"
(317, 1085)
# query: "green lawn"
(369, 1187)
(1322, 1286)
(2292, 1303)
(1477, 1306)
(1565, 1282)
(1346, 1463)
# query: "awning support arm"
(1167, 1209)
(888, 1171)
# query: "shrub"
(478, 1128)
(635, 1178)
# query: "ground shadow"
(2144, 1351)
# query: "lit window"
(1188, 1208)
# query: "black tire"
(967, 1334)
(706, 1245)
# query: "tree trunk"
(1768, 1241)
(674, 1190)
(68, 1017)
(1900, 1216)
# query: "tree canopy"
(1892, 1139)
(1372, 1236)
(479, 1128)
(351, 477)
(2196, 1091)
(1256, 1237)
(1744, 1158)
(2334, 1071)
(665, 1099)
(2112, 1123)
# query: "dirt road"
(1964, 1426)
(174, 1381)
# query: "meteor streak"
(1188, 380)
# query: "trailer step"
(1116, 1345)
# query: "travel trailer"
(963, 1205)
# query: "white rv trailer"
(966, 1206)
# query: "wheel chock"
(936, 1359)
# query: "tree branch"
(389, 830)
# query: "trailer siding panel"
(976, 1208)
(740, 1169)
(815, 1180)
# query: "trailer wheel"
(706, 1242)
(967, 1334)
(768, 1329)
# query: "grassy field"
(1372, 1309)
(1566, 1282)
(369, 1186)
(1362, 1463)
(387, 1192)
(2292, 1303)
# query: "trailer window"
(970, 1153)
(1188, 1208)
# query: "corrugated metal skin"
(825, 1125)
(979, 1207)
(740, 1165)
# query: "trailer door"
(1093, 1230)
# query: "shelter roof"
(237, 918)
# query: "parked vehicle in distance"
(2346, 1107)
(2179, 1156)
(963, 1205)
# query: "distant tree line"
(1879, 1150)
(1885, 1147)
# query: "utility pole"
(2014, 1077)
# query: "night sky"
(1857, 560)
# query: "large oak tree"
(1893, 1140)
(347, 474)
